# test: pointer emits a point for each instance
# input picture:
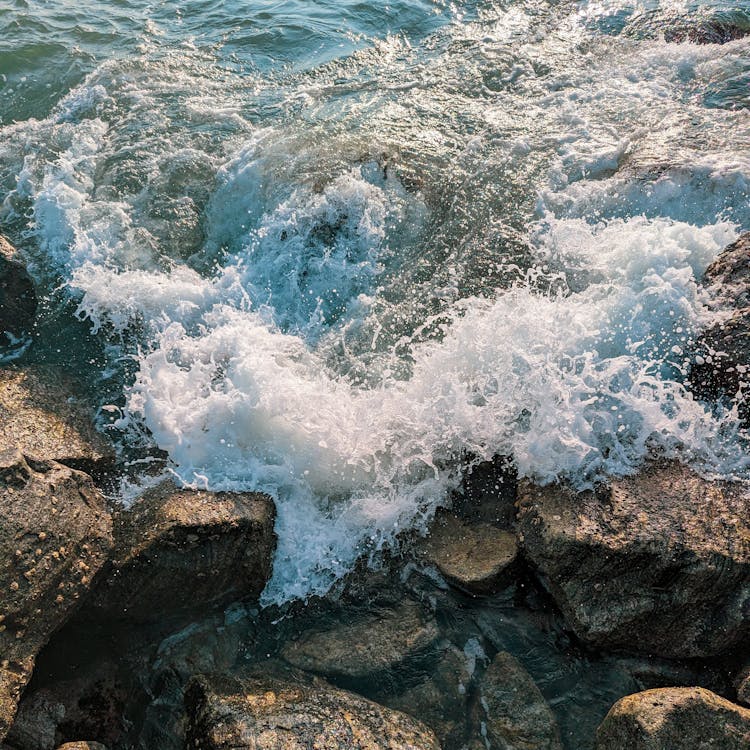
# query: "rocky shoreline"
(139, 627)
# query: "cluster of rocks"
(656, 564)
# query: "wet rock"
(742, 685)
(180, 551)
(675, 719)
(721, 360)
(372, 644)
(442, 700)
(273, 713)
(55, 535)
(475, 557)
(43, 417)
(711, 31)
(82, 746)
(511, 712)
(89, 706)
(658, 562)
(17, 297)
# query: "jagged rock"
(82, 746)
(180, 550)
(372, 644)
(721, 361)
(17, 297)
(657, 562)
(91, 705)
(511, 712)
(273, 713)
(675, 719)
(742, 685)
(41, 417)
(55, 535)
(442, 700)
(475, 557)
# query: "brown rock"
(742, 685)
(42, 417)
(17, 297)
(377, 642)
(271, 713)
(511, 712)
(55, 535)
(658, 562)
(675, 719)
(475, 557)
(82, 746)
(177, 550)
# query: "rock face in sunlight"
(17, 296)
(675, 719)
(269, 713)
(658, 562)
(55, 534)
(512, 710)
(178, 551)
(722, 364)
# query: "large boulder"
(17, 297)
(675, 719)
(475, 557)
(657, 562)
(178, 551)
(43, 416)
(379, 641)
(277, 713)
(55, 535)
(721, 361)
(511, 711)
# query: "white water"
(254, 311)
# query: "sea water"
(342, 251)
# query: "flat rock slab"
(55, 535)
(42, 416)
(178, 551)
(375, 643)
(475, 557)
(658, 562)
(17, 297)
(675, 719)
(511, 711)
(267, 713)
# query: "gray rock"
(658, 562)
(742, 685)
(17, 297)
(675, 719)
(55, 535)
(377, 642)
(273, 713)
(511, 713)
(43, 417)
(475, 557)
(178, 551)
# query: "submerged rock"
(372, 644)
(475, 557)
(722, 353)
(511, 712)
(675, 719)
(658, 562)
(275, 713)
(42, 417)
(17, 297)
(55, 535)
(180, 551)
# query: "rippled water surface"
(339, 251)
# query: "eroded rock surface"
(658, 562)
(17, 297)
(55, 535)
(274, 713)
(180, 550)
(512, 712)
(475, 557)
(369, 645)
(42, 417)
(675, 719)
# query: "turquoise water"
(340, 251)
